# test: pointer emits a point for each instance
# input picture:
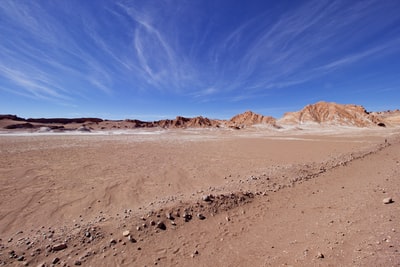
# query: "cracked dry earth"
(179, 200)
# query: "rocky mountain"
(250, 118)
(321, 113)
(389, 117)
(182, 122)
(324, 113)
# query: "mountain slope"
(324, 113)
(250, 118)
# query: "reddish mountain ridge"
(321, 113)
(182, 122)
(390, 117)
(324, 113)
(250, 118)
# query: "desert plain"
(221, 197)
(258, 196)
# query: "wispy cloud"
(58, 51)
(43, 56)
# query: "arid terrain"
(300, 194)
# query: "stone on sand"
(387, 200)
(206, 198)
(126, 233)
(59, 247)
(161, 225)
(201, 216)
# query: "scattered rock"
(55, 260)
(201, 216)
(78, 263)
(194, 253)
(387, 200)
(21, 258)
(169, 216)
(187, 216)
(320, 255)
(113, 241)
(207, 198)
(59, 247)
(126, 233)
(161, 225)
(131, 239)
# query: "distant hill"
(324, 113)
(250, 118)
(321, 113)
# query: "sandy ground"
(274, 198)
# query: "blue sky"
(156, 59)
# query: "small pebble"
(126, 233)
(201, 216)
(206, 198)
(59, 247)
(387, 200)
(130, 238)
(161, 225)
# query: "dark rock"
(59, 247)
(131, 239)
(201, 216)
(11, 117)
(169, 216)
(187, 216)
(64, 121)
(207, 198)
(55, 260)
(161, 225)
(20, 126)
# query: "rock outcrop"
(321, 113)
(182, 122)
(324, 113)
(250, 118)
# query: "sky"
(157, 59)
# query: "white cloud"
(178, 47)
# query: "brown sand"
(277, 198)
